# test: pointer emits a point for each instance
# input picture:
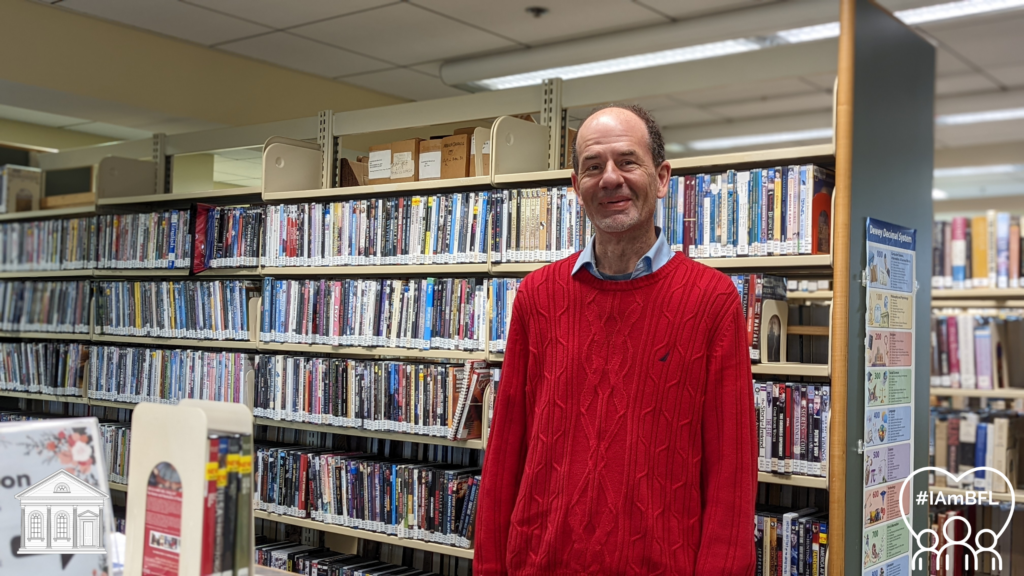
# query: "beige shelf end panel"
(177, 435)
(518, 146)
(290, 165)
(117, 177)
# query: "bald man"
(624, 439)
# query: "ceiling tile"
(946, 63)
(290, 51)
(962, 84)
(683, 115)
(404, 83)
(815, 101)
(745, 92)
(984, 133)
(169, 17)
(680, 9)
(1009, 75)
(277, 14)
(432, 68)
(565, 19)
(656, 103)
(403, 34)
(988, 42)
(823, 81)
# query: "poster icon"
(61, 514)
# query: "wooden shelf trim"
(83, 210)
(807, 330)
(118, 487)
(207, 195)
(816, 295)
(365, 534)
(398, 436)
(793, 480)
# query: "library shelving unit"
(881, 152)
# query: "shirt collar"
(655, 258)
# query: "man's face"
(616, 179)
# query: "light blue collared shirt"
(655, 258)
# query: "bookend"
(178, 435)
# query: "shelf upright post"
(163, 164)
(325, 138)
(552, 115)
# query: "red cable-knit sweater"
(624, 439)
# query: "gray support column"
(74, 528)
(49, 521)
(24, 528)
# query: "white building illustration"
(61, 514)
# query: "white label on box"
(380, 164)
(430, 165)
(487, 146)
(402, 166)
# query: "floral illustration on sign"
(72, 448)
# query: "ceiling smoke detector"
(537, 11)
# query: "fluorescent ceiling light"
(623, 64)
(952, 10)
(914, 16)
(977, 170)
(978, 117)
(758, 139)
(939, 194)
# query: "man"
(624, 439)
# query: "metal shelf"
(118, 487)
(977, 393)
(211, 273)
(45, 397)
(793, 480)
(796, 154)
(359, 351)
(83, 210)
(427, 186)
(225, 195)
(806, 264)
(41, 274)
(995, 293)
(547, 177)
(399, 436)
(187, 342)
(382, 270)
(366, 535)
(112, 404)
(47, 335)
(791, 369)
(817, 295)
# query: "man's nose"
(611, 177)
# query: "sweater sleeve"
(729, 450)
(505, 452)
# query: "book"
(774, 319)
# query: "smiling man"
(624, 439)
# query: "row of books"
(151, 240)
(407, 499)
(971, 350)
(793, 426)
(537, 224)
(197, 309)
(502, 296)
(116, 447)
(962, 440)
(444, 313)
(68, 244)
(767, 211)
(227, 237)
(130, 374)
(45, 306)
(790, 542)
(437, 229)
(414, 398)
(977, 252)
(962, 524)
(227, 517)
(284, 547)
(43, 367)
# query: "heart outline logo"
(951, 542)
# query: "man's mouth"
(616, 202)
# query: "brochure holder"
(177, 435)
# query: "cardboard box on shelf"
(20, 188)
(484, 146)
(354, 173)
(430, 159)
(67, 200)
(455, 156)
(405, 160)
(380, 164)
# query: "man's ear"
(664, 176)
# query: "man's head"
(619, 168)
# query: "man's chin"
(617, 224)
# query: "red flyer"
(163, 522)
